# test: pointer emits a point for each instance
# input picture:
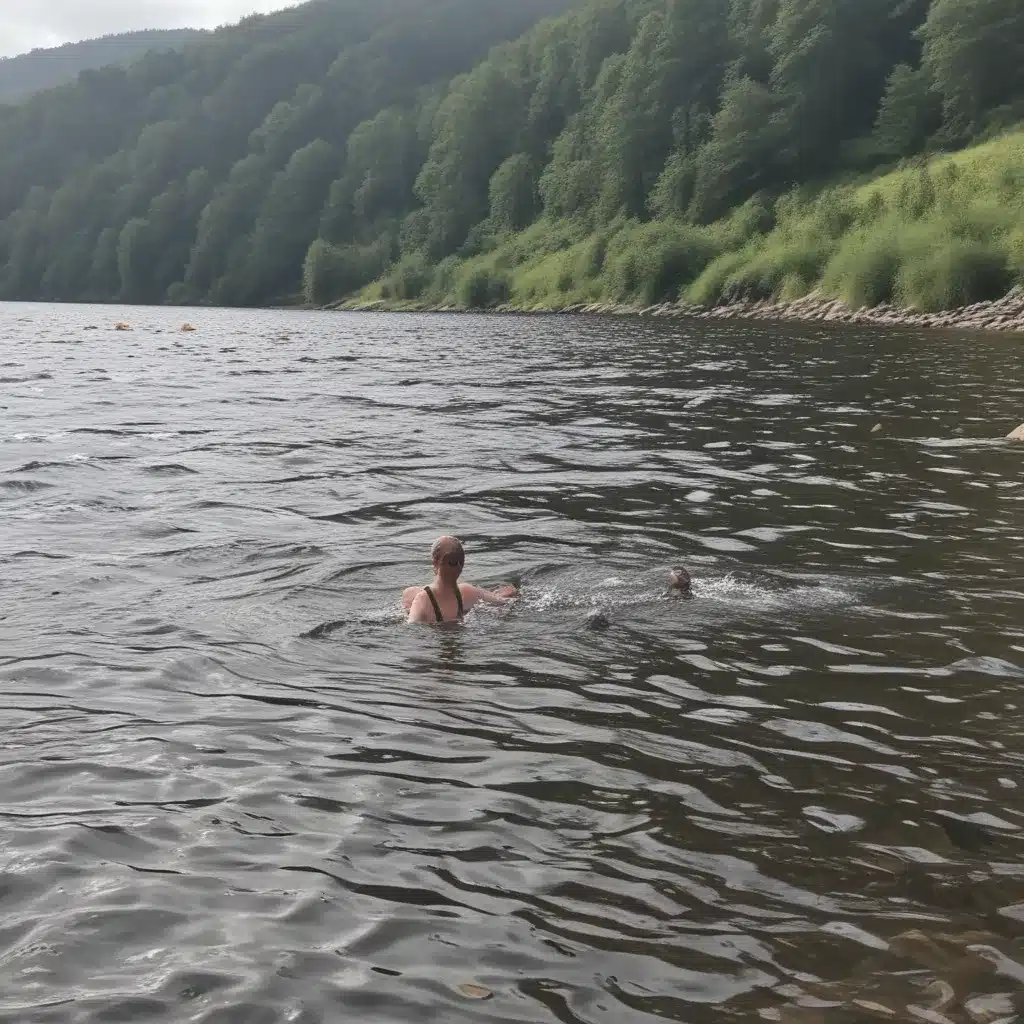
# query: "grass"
(933, 235)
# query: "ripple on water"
(235, 788)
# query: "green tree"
(974, 53)
(910, 112)
(741, 156)
(286, 223)
(513, 192)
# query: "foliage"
(314, 122)
(542, 152)
(30, 73)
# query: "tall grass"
(931, 235)
(946, 233)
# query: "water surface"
(234, 787)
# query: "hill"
(469, 149)
(41, 69)
(939, 234)
(204, 174)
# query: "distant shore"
(1005, 314)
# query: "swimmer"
(681, 581)
(445, 600)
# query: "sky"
(27, 24)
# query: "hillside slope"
(662, 144)
(940, 234)
(204, 174)
(29, 73)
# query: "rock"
(1016, 435)
(473, 991)
(597, 622)
(123, 327)
(877, 428)
(187, 327)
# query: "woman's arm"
(499, 596)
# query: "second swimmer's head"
(679, 579)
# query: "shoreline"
(1003, 315)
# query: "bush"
(483, 288)
(651, 262)
(334, 271)
(410, 278)
(746, 222)
(834, 212)
(591, 261)
(715, 281)
(916, 194)
(863, 270)
(955, 272)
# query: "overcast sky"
(27, 24)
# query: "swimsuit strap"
(437, 607)
(458, 597)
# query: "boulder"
(1016, 435)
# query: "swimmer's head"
(448, 558)
(679, 579)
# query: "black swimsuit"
(437, 607)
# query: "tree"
(513, 192)
(286, 222)
(974, 53)
(910, 113)
(742, 155)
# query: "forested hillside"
(637, 143)
(30, 73)
(204, 174)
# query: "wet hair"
(680, 578)
(446, 546)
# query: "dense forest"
(467, 150)
(33, 72)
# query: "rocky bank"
(1005, 314)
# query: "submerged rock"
(597, 621)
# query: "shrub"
(483, 288)
(716, 280)
(595, 250)
(945, 273)
(333, 271)
(916, 194)
(863, 270)
(650, 263)
(834, 212)
(410, 278)
(445, 276)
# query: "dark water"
(235, 788)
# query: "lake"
(236, 788)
